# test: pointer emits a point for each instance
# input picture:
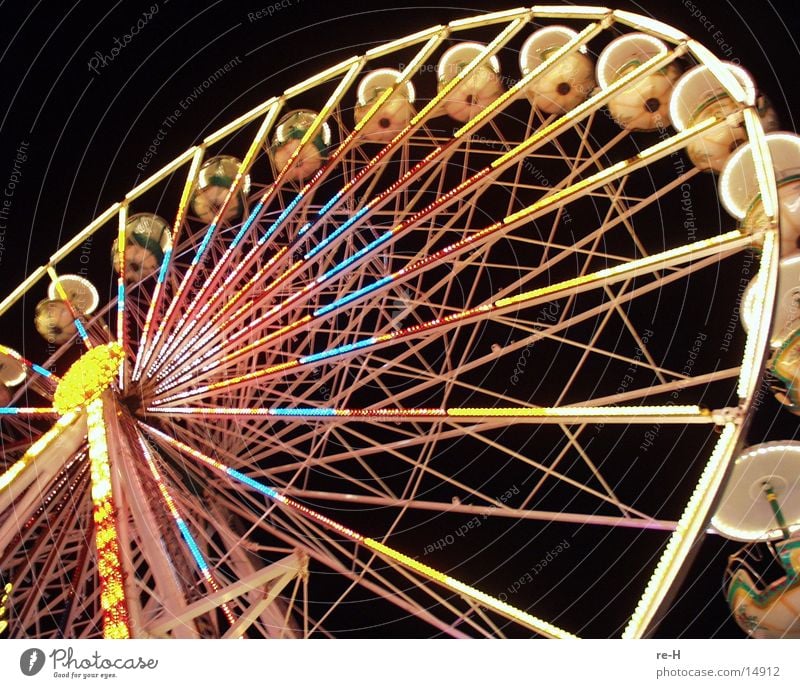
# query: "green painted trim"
(715, 98)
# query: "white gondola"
(761, 503)
(476, 91)
(214, 181)
(147, 238)
(54, 321)
(81, 292)
(395, 112)
(564, 85)
(645, 105)
(12, 373)
(287, 138)
(739, 190)
(741, 197)
(787, 305)
(699, 95)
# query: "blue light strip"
(302, 412)
(360, 254)
(327, 240)
(81, 330)
(259, 487)
(281, 218)
(204, 244)
(162, 274)
(27, 410)
(345, 348)
(353, 296)
(325, 208)
(44, 372)
(246, 225)
(193, 548)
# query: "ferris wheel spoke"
(383, 450)
(48, 575)
(346, 145)
(670, 258)
(346, 81)
(504, 161)
(523, 414)
(27, 411)
(41, 557)
(43, 459)
(146, 344)
(378, 287)
(374, 582)
(493, 510)
(375, 546)
(420, 585)
(363, 574)
(191, 543)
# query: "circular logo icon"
(31, 661)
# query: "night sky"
(82, 106)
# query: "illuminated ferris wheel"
(410, 355)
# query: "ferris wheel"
(403, 349)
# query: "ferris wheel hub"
(88, 377)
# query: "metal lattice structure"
(381, 334)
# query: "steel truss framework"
(455, 327)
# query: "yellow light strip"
(631, 412)
(689, 528)
(423, 54)
(642, 264)
(161, 174)
(652, 26)
(569, 12)
(259, 139)
(32, 279)
(474, 594)
(322, 77)
(407, 41)
(498, 42)
(76, 315)
(145, 350)
(85, 233)
(241, 121)
(489, 18)
(719, 70)
(763, 297)
(109, 567)
(121, 240)
(762, 161)
(37, 448)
